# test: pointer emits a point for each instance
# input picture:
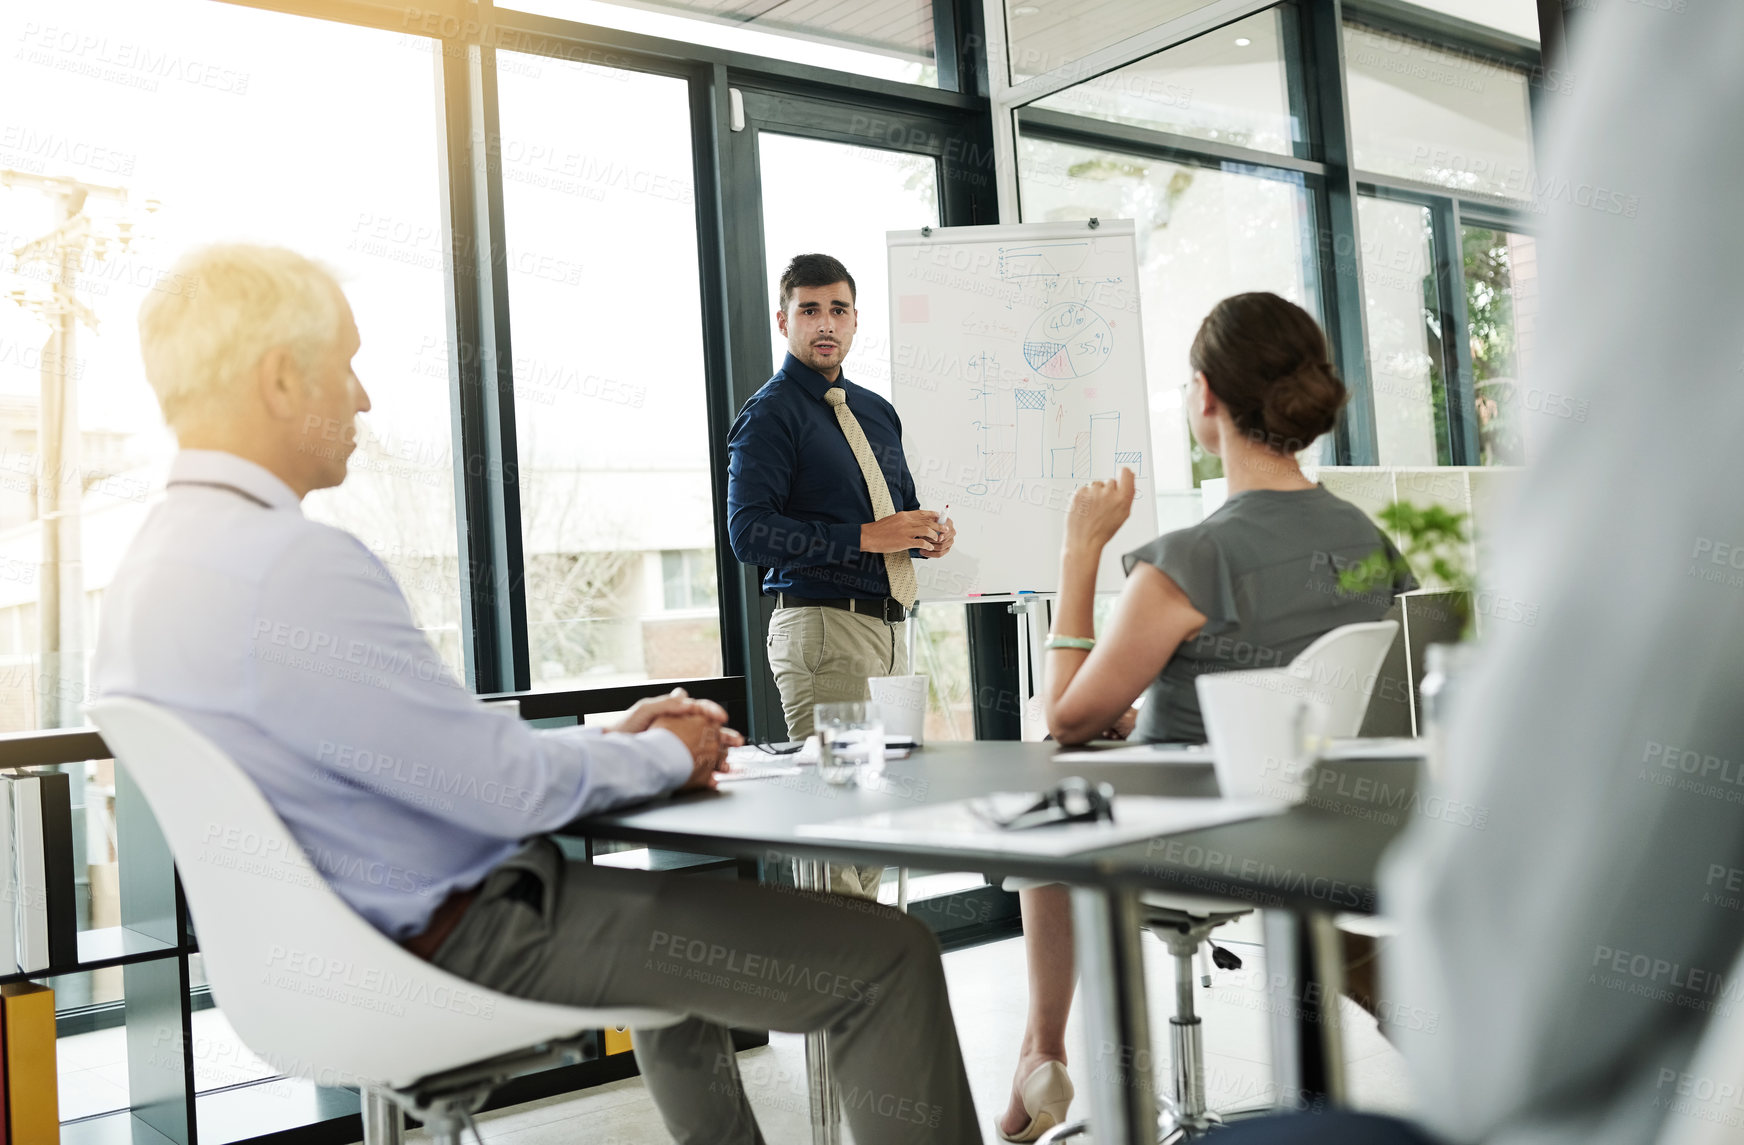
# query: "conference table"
(1301, 868)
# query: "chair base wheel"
(1172, 1128)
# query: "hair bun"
(1266, 360)
(1301, 405)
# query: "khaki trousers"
(823, 656)
(730, 954)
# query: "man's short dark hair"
(814, 270)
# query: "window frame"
(975, 102)
(1316, 80)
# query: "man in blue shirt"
(832, 521)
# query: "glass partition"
(143, 131)
(1045, 35)
(1406, 372)
(870, 191)
(1203, 234)
(1501, 301)
(617, 517)
(1438, 116)
(1227, 86)
(1515, 17)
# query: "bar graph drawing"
(1024, 380)
(1020, 434)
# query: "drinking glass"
(850, 741)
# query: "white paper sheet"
(1136, 817)
(739, 772)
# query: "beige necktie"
(898, 566)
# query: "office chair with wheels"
(1340, 666)
(308, 984)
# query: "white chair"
(1342, 665)
(308, 984)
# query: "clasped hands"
(699, 724)
(912, 529)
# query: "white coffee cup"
(1265, 728)
(903, 700)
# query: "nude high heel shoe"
(1046, 1094)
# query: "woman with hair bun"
(1248, 587)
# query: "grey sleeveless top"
(1264, 571)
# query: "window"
(192, 122)
(941, 654)
(1501, 302)
(1406, 360)
(1515, 17)
(889, 39)
(1203, 234)
(876, 191)
(687, 579)
(1045, 35)
(1438, 116)
(1228, 86)
(608, 365)
(873, 191)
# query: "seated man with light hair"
(289, 645)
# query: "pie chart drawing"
(1068, 340)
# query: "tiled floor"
(987, 997)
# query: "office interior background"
(558, 223)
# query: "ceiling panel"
(901, 28)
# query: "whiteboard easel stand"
(1032, 637)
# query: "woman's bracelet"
(1082, 643)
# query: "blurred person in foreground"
(1579, 949)
(289, 645)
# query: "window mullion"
(481, 378)
(1462, 422)
(1336, 223)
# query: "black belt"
(886, 609)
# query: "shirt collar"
(210, 466)
(809, 379)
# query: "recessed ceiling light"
(1025, 10)
(1240, 41)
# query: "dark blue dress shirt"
(795, 495)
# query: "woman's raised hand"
(1098, 510)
